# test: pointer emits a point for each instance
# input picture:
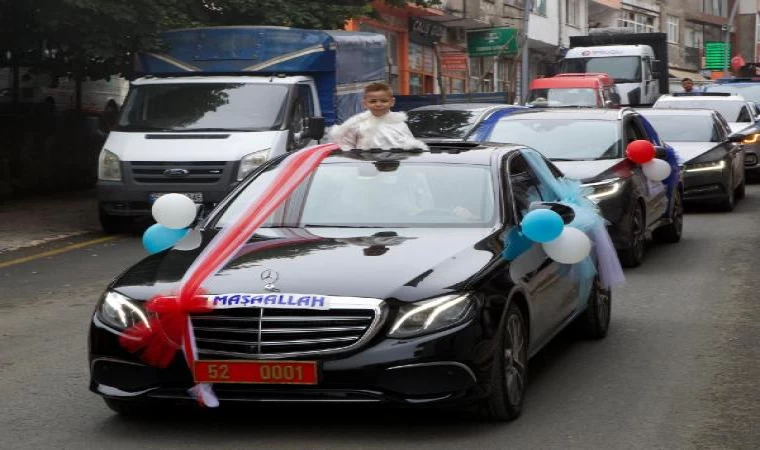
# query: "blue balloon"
(158, 237)
(542, 225)
(515, 244)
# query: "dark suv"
(589, 145)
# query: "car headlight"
(752, 139)
(251, 162)
(109, 166)
(705, 166)
(120, 311)
(432, 315)
(605, 189)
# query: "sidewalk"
(36, 220)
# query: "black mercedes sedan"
(381, 279)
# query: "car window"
(723, 122)
(729, 109)
(524, 185)
(685, 128)
(634, 131)
(744, 115)
(445, 124)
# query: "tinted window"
(750, 92)
(193, 106)
(524, 185)
(685, 128)
(561, 138)
(441, 124)
(623, 69)
(384, 194)
(730, 110)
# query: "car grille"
(198, 172)
(260, 333)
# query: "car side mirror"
(608, 104)
(314, 127)
(660, 153)
(566, 212)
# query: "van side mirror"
(314, 127)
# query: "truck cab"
(580, 90)
(222, 102)
(631, 66)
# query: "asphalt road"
(678, 370)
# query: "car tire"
(510, 370)
(741, 190)
(671, 233)
(594, 322)
(633, 256)
(729, 202)
(113, 224)
(131, 408)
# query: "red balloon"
(640, 151)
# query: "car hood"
(586, 170)
(689, 150)
(408, 264)
(739, 126)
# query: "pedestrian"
(687, 85)
(378, 127)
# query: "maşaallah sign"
(492, 42)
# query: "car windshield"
(750, 92)
(442, 123)
(204, 107)
(685, 128)
(386, 194)
(728, 109)
(561, 139)
(554, 97)
(623, 69)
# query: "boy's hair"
(378, 87)
(686, 79)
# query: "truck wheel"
(113, 224)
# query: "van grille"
(198, 172)
(256, 333)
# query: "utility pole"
(728, 38)
(524, 73)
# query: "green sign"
(492, 42)
(717, 55)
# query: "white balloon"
(656, 169)
(191, 241)
(174, 211)
(571, 247)
(527, 262)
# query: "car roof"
(676, 112)
(704, 98)
(443, 152)
(463, 107)
(572, 113)
(572, 80)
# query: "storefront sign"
(425, 32)
(492, 42)
(453, 62)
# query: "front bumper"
(752, 158)
(708, 186)
(120, 199)
(448, 367)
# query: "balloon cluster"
(564, 244)
(173, 213)
(643, 152)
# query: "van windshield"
(204, 107)
(622, 69)
(556, 97)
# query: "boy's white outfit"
(365, 131)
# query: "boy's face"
(687, 85)
(379, 102)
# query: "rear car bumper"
(439, 369)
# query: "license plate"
(256, 372)
(197, 197)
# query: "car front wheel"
(633, 255)
(671, 233)
(594, 322)
(510, 377)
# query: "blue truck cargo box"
(340, 62)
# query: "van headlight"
(251, 162)
(109, 166)
(432, 315)
(119, 311)
(604, 189)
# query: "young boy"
(378, 127)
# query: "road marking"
(58, 251)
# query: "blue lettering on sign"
(245, 299)
(220, 299)
(317, 301)
(257, 299)
(270, 300)
(281, 300)
(304, 301)
(291, 301)
(234, 300)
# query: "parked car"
(452, 121)
(740, 114)
(589, 145)
(712, 156)
(418, 305)
(580, 90)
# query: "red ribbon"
(168, 328)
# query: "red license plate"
(256, 372)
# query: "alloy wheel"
(515, 360)
(639, 236)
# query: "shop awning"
(681, 74)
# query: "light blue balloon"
(542, 225)
(158, 237)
